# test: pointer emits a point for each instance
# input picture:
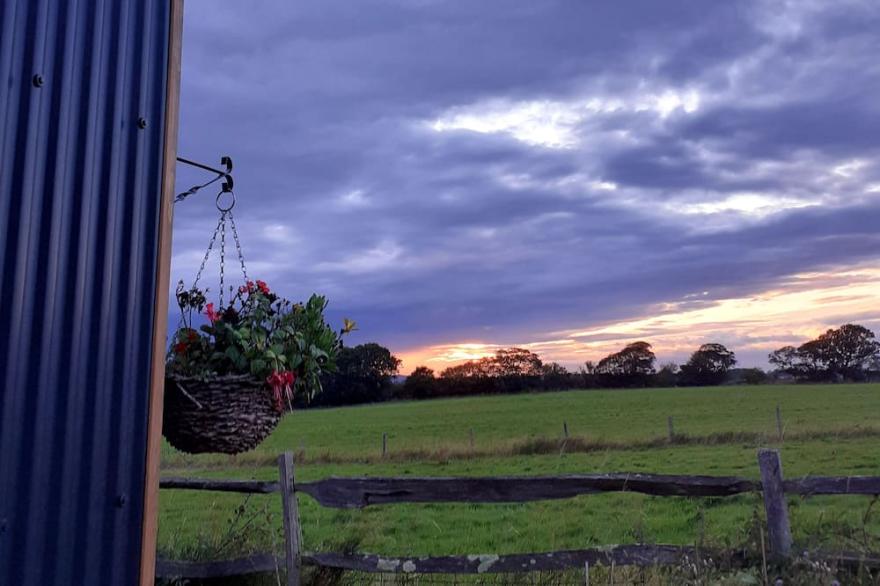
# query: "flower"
(212, 314)
(192, 336)
(281, 381)
(180, 347)
(263, 287)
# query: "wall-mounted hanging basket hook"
(228, 183)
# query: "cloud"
(489, 172)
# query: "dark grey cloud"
(449, 170)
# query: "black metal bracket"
(226, 175)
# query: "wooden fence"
(362, 492)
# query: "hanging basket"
(229, 415)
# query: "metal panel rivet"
(120, 500)
(142, 123)
(38, 80)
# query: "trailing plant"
(288, 345)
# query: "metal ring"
(231, 204)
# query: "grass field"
(831, 430)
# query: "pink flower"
(213, 315)
(263, 287)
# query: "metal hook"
(226, 175)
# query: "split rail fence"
(349, 493)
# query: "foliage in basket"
(287, 345)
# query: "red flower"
(193, 336)
(264, 288)
(281, 381)
(180, 347)
(250, 286)
(213, 315)
(242, 289)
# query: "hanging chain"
(222, 252)
(237, 245)
(225, 214)
(208, 252)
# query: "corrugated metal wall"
(81, 128)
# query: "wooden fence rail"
(363, 492)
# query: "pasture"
(827, 430)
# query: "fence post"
(292, 530)
(565, 429)
(671, 428)
(384, 444)
(778, 528)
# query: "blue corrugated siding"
(80, 187)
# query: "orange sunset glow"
(801, 307)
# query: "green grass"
(620, 416)
(193, 524)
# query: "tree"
(754, 376)
(363, 375)
(512, 362)
(420, 384)
(708, 365)
(667, 376)
(848, 350)
(785, 359)
(632, 366)
(842, 353)
(555, 376)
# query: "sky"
(561, 175)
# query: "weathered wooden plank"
(641, 555)
(620, 555)
(778, 528)
(256, 564)
(868, 485)
(243, 486)
(361, 492)
(292, 531)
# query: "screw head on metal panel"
(142, 123)
(120, 500)
(38, 80)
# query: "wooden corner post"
(150, 522)
(778, 528)
(290, 510)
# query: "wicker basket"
(229, 415)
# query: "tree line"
(367, 372)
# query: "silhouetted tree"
(754, 376)
(667, 376)
(420, 384)
(555, 376)
(631, 367)
(848, 350)
(707, 366)
(510, 362)
(842, 353)
(363, 376)
(785, 359)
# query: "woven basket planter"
(229, 415)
